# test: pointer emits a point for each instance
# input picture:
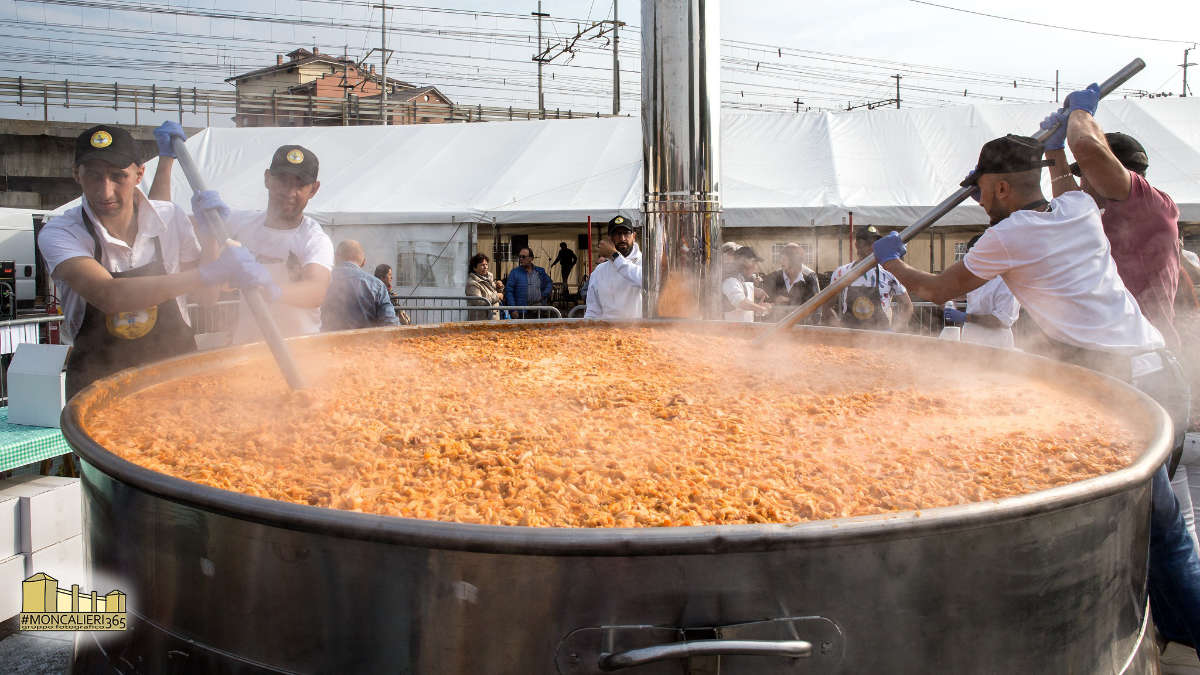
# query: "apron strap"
(91, 228)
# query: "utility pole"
(798, 103)
(897, 78)
(540, 58)
(384, 54)
(1185, 67)
(616, 63)
(1056, 82)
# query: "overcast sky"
(850, 48)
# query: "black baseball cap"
(619, 223)
(296, 160)
(868, 233)
(746, 252)
(1128, 150)
(1008, 154)
(109, 143)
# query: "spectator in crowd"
(123, 264)
(1140, 221)
(991, 312)
(793, 284)
(480, 284)
(527, 285)
(567, 259)
(293, 247)
(739, 295)
(355, 299)
(614, 290)
(1055, 258)
(867, 302)
(1189, 262)
(383, 272)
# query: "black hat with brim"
(746, 252)
(1128, 151)
(1009, 154)
(296, 160)
(620, 223)
(108, 143)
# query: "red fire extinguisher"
(53, 326)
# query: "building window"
(502, 251)
(960, 250)
(777, 256)
(429, 264)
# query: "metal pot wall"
(1048, 582)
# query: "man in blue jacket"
(527, 285)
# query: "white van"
(17, 245)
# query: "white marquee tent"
(427, 185)
(888, 166)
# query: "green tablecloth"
(21, 445)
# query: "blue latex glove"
(1084, 99)
(203, 203)
(164, 134)
(975, 192)
(889, 248)
(237, 267)
(1058, 139)
(954, 316)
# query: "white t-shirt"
(736, 291)
(995, 299)
(615, 288)
(307, 243)
(886, 282)
(66, 237)
(1058, 265)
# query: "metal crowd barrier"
(577, 312)
(220, 317)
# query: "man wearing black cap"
(615, 287)
(1141, 222)
(122, 264)
(741, 301)
(867, 302)
(1055, 259)
(292, 246)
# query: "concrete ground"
(33, 653)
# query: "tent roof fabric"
(779, 170)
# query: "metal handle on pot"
(682, 650)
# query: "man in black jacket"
(794, 284)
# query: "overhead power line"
(1049, 25)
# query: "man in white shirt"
(1055, 258)
(867, 302)
(991, 312)
(123, 264)
(292, 246)
(615, 287)
(740, 295)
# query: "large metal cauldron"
(1052, 582)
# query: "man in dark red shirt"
(1140, 221)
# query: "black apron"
(105, 344)
(864, 307)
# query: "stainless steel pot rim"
(710, 539)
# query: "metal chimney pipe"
(681, 128)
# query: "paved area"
(32, 653)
